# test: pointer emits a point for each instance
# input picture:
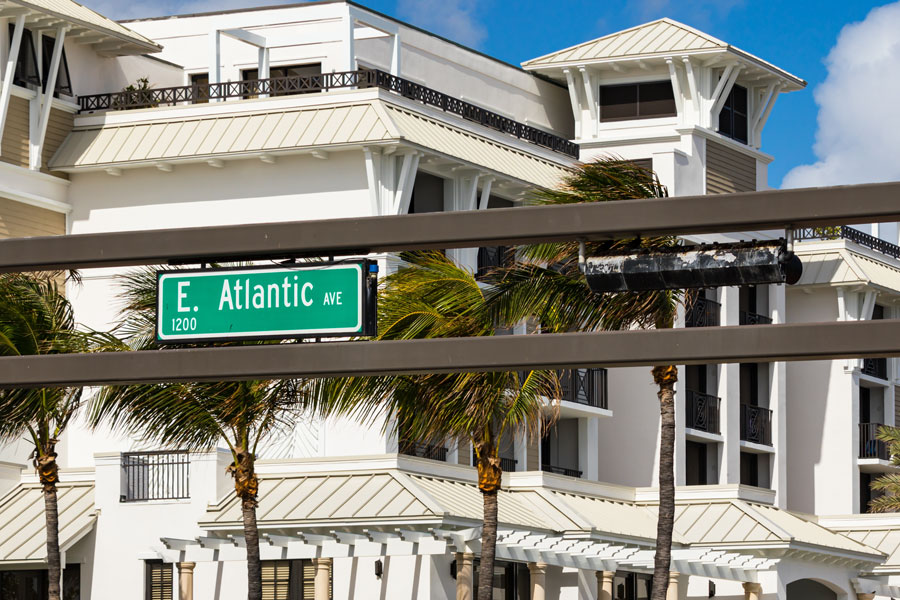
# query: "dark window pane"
(740, 128)
(725, 127)
(63, 84)
(739, 99)
(26, 63)
(618, 102)
(656, 100)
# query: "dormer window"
(26, 63)
(649, 100)
(733, 118)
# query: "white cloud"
(858, 124)
(453, 19)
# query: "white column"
(589, 447)
(752, 591)
(778, 403)
(215, 58)
(538, 580)
(464, 570)
(605, 580)
(730, 393)
(672, 592)
(322, 585)
(395, 55)
(349, 43)
(185, 580)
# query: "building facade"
(328, 109)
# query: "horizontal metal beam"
(753, 211)
(752, 343)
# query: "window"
(695, 463)
(749, 469)
(63, 83)
(290, 580)
(200, 85)
(155, 476)
(632, 586)
(733, 118)
(26, 64)
(32, 584)
(284, 87)
(512, 581)
(157, 580)
(637, 101)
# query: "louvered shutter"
(159, 581)
(276, 579)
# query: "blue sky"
(797, 36)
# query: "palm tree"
(434, 298)
(547, 282)
(197, 416)
(36, 318)
(888, 485)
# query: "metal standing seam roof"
(207, 136)
(845, 267)
(739, 523)
(23, 536)
(76, 13)
(656, 38)
(883, 540)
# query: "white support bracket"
(485, 193)
(46, 100)
(721, 93)
(592, 100)
(676, 88)
(575, 100)
(10, 70)
(406, 183)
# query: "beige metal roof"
(23, 535)
(612, 516)
(74, 13)
(832, 265)
(886, 540)
(658, 38)
(740, 523)
(227, 135)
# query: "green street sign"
(306, 300)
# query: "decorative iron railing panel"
(875, 367)
(751, 318)
(162, 475)
(703, 312)
(429, 451)
(508, 465)
(584, 386)
(561, 470)
(702, 412)
(756, 424)
(848, 233)
(303, 84)
(869, 444)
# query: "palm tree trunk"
(489, 473)
(665, 378)
(246, 486)
(48, 473)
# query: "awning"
(23, 533)
(233, 130)
(834, 263)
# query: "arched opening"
(807, 589)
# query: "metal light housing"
(704, 266)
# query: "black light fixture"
(453, 568)
(712, 589)
(379, 569)
(705, 266)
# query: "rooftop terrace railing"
(848, 233)
(304, 84)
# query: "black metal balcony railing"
(751, 318)
(429, 451)
(702, 412)
(875, 367)
(702, 313)
(584, 386)
(756, 424)
(302, 84)
(561, 470)
(508, 465)
(848, 233)
(869, 445)
(163, 475)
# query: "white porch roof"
(23, 533)
(253, 128)
(834, 263)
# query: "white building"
(358, 114)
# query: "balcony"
(702, 313)
(756, 424)
(875, 367)
(587, 387)
(508, 465)
(561, 470)
(324, 82)
(848, 233)
(746, 317)
(869, 444)
(428, 451)
(162, 475)
(702, 412)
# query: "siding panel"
(728, 170)
(15, 143)
(23, 220)
(532, 454)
